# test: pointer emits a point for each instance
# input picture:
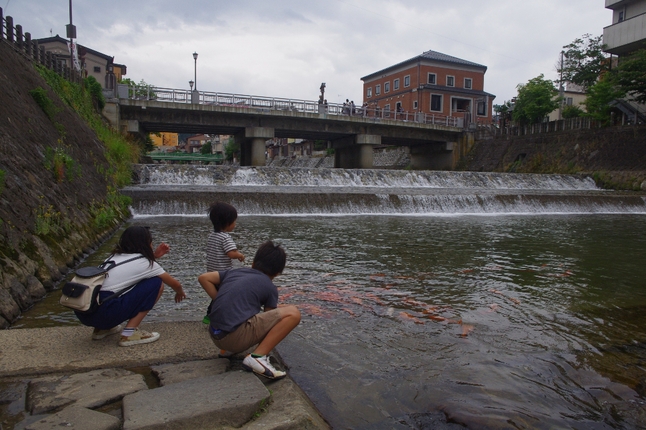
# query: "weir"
(189, 189)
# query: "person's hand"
(241, 257)
(162, 249)
(180, 296)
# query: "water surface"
(496, 321)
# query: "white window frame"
(377, 89)
(452, 78)
(406, 81)
(430, 106)
(428, 79)
(484, 108)
(470, 83)
(369, 92)
(396, 84)
(386, 87)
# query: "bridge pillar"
(252, 147)
(111, 112)
(356, 154)
(436, 156)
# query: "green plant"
(231, 149)
(329, 151)
(109, 212)
(41, 98)
(49, 221)
(95, 90)
(572, 111)
(61, 164)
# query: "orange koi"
(411, 317)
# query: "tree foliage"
(231, 149)
(535, 100)
(141, 90)
(631, 75)
(206, 148)
(584, 61)
(599, 96)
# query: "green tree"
(96, 91)
(572, 111)
(206, 148)
(535, 100)
(141, 90)
(631, 75)
(504, 112)
(231, 149)
(584, 61)
(597, 102)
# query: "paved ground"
(53, 377)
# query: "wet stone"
(229, 399)
(91, 389)
(174, 373)
(77, 418)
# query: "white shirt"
(129, 273)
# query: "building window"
(432, 78)
(468, 83)
(369, 92)
(97, 69)
(377, 89)
(621, 15)
(415, 104)
(406, 81)
(386, 87)
(436, 103)
(450, 81)
(396, 84)
(569, 101)
(481, 109)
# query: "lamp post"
(195, 96)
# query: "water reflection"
(500, 322)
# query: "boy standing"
(237, 322)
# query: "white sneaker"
(138, 337)
(261, 366)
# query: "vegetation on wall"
(61, 164)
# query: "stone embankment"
(59, 378)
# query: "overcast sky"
(286, 48)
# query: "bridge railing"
(281, 104)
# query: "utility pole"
(561, 89)
(71, 34)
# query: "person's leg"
(136, 320)
(290, 317)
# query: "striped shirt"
(217, 246)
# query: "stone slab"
(174, 373)
(229, 399)
(77, 418)
(71, 349)
(91, 389)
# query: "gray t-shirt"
(241, 294)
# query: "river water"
(527, 320)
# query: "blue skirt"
(115, 311)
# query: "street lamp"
(191, 84)
(195, 58)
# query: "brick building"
(431, 83)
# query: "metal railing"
(183, 156)
(276, 104)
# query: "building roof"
(59, 39)
(434, 56)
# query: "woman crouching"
(147, 278)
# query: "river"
(528, 319)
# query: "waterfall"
(189, 189)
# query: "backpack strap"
(110, 264)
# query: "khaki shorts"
(250, 333)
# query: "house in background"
(573, 95)
(93, 63)
(165, 142)
(431, 83)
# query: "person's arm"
(161, 250)
(175, 285)
(235, 255)
(210, 281)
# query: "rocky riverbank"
(60, 377)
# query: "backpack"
(81, 294)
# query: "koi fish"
(411, 317)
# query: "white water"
(188, 190)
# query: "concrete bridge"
(435, 141)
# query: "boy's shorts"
(250, 333)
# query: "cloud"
(286, 48)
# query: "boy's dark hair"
(221, 215)
(270, 259)
(136, 240)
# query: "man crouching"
(238, 298)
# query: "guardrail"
(268, 104)
(182, 156)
